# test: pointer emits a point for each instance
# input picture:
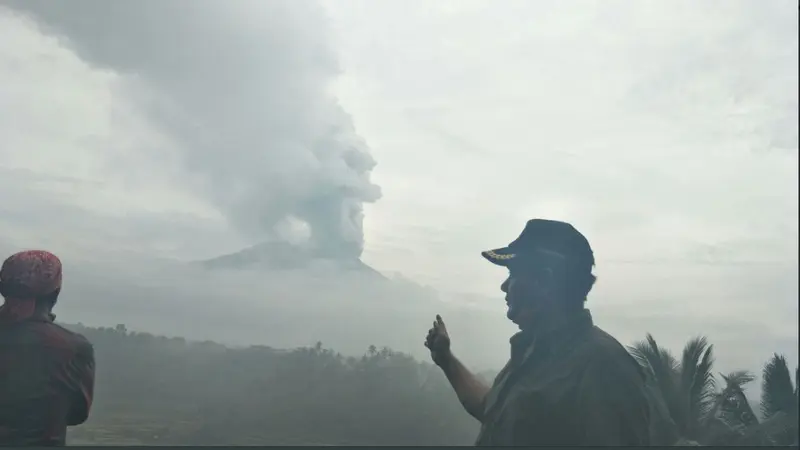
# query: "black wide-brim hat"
(547, 239)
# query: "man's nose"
(504, 286)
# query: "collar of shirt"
(14, 310)
(554, 338)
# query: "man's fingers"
(436, 334)
(432, 343)
(440, 322)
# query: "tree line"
(156, 390)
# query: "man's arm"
(615, 405)
(471, 391)
(81, 371)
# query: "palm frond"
(659, 361)
(697, 384)
(687, 408)
(777, 392)
(738, 378)
(662, 369)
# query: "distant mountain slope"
(286, 256)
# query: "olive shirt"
(575, 385)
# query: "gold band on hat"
(494, 255)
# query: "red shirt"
(46, 382)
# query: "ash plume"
(243, 88)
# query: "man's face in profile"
(523, 299)
(528, 299)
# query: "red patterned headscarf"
(31, 274)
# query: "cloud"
(240, 97)
(655, 128)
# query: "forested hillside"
(157, 390)
(154, 390)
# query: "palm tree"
(779, 399)
(779, 407)
(732, 405)
(686, 408)
(733, 413)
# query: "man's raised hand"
(438, 342)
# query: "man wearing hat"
(567, 382)
(46, 371)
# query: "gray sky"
(665, 130)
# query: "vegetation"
(690, 408)
(154, 390)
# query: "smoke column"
(243, 88)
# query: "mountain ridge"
(280, 255)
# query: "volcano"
(286, 256)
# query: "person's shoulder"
(607, 354)
(78, 341)
(603, 342)
(64, 337)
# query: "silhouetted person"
(46, 371)
(567, 381)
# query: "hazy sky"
(665, 130)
